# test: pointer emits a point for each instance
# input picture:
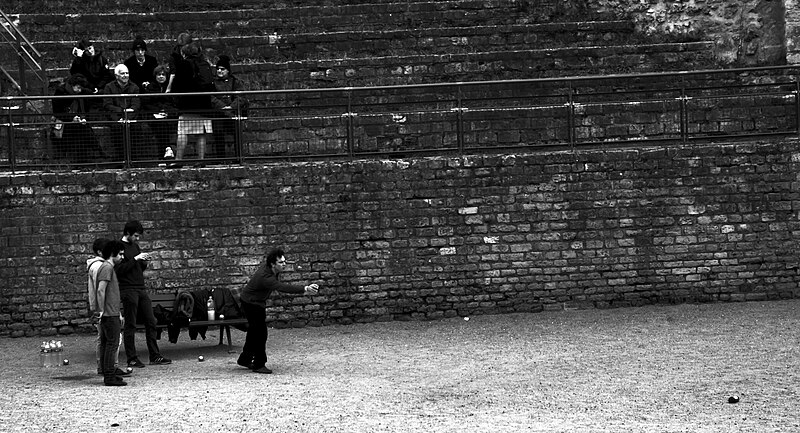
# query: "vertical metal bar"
(350, 133)
(797, 106)
(684, 113)
(126, 139)
(12, 157)
(460, 119)
(237, 139)
(571, 116)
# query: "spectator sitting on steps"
(141, 65)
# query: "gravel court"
(656, 368)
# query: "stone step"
(266, 21)
(478, 66)
(320, 46)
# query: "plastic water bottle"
(210, 305)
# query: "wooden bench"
(167, 301)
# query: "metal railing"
(443, 118)
(28, 57)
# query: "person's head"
(133, 229)
(190, 50)
(87, 46)
(276, 260)
(139, 48)
(98, 246)
(184, 39)
(161, 73)
(223, 66)
(114, 251)
(122, 74)
(76, 83)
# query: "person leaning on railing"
(158, 108)
(226, 108)
(77, 141)
(126, 108)
(193, 75)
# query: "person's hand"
(95, 317)
(311, 289)
(142, 256)
(76, 119)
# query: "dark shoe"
(136, 363)
(116, 381)
(246, 362)
(262, 370)
(160, 361)
(117, 372)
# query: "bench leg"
(228, 333)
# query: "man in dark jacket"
(254, 304)
(126, 108)
(135, 299)
(141, 65)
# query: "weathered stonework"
(422, 238)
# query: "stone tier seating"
(376, 43)
(301, 45)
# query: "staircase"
(21, 68)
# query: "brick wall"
(424, 238)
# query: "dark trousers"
(136, 304)
(109, 344)
(255, 343)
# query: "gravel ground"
(648, 369)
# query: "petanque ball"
(733, 399)
(66, 362)
(129, 369)
(466, 319)
(200, 358)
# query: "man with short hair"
(254, 303)
(93, 267)
(124, 109)
(108, 312)
(141, 65)
(135, 299)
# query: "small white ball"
(466, 319)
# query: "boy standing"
(92, 268)
(108, 304)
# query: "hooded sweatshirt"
(92, 267)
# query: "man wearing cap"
(140, 64)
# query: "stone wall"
(422, 238)
(749, 32)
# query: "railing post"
(684, 113)
(571, 116)
(12, 157)
(797, 106)
(126, 139)
(237, 136)
(350, 133)
(460, 120)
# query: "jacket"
(263, 283)
(116, 105)
(92, 267)
(130, 271)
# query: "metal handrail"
(561, 101)
(28, 54)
